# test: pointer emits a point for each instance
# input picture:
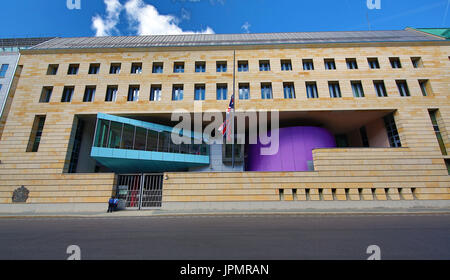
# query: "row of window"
(243, 91)
(221, 66)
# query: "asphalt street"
(235, 237)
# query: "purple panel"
(295, 149)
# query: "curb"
(212, 214)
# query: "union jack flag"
(224, 127)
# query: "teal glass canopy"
(127, 145)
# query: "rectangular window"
(153, 139)
(155, 93)
(330, 64)
(200, 67)
(178, 67)
(357, 89)
(286, 65)
(402, 88)
(244, 91)
(373, 63)
(335, 90)
(76, 147)
(177, 92)
(351, 63)
(133, 93)
(115, 68)
(157, 67)
(311, 90)
(3, 70)
(36, 134)
(136, 68)
(289, 91)
(52, 69)
(437, 131)
(127, 141)
(111, 93)
(395, 62)
(67, 94)
(89, 94)
(417, 62)
(222, 91)
(140, 138)
(243, 66)
(73, 69)
(114, 135)
(264, 65)
(266, 91)
(392, 132)
(221, 66)
(308, 64)
(364, 138)
(46, 94)
(425, 87)
(199, 92)
(380, 88)
(94, 68)
(102, 131)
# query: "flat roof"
(194, 40)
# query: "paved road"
(418, 236)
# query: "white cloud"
(246, 27)
(105, 26)
(143, 18)
(146, 20)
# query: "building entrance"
(140, 191)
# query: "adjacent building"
(9, 57)
(362, 116)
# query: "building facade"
(363, 117)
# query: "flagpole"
(234, 107)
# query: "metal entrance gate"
(140, 191)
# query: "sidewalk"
(166, 213)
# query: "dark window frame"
(46, 94)
(36, 134)
(199, 92)
(111, 93)
(94, 69)
(115, 68)
(89, 93)
(67, 95)
(73, 69)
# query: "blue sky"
(29, 18)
